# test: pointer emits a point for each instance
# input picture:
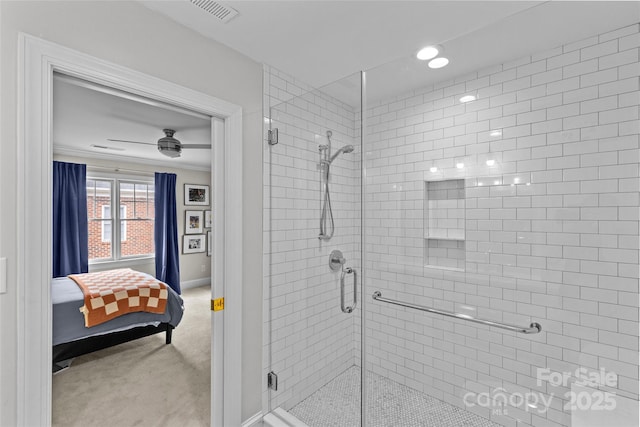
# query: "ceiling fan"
(167, 145)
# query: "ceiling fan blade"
(196, 146)
(132, 142)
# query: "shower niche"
(444, 224)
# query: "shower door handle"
(346, 271)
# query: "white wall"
(551, 227)
(128, 34)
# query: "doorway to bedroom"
(40, 60)
(114, 135)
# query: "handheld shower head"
(345, 149)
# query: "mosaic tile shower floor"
(337, 404)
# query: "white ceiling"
(319, 42)
(324, 43)
(84, 116)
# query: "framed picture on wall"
(196, 195)
(209, 243)
(193, 222)
(193, 244)
(208, 219)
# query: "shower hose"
(326, 218)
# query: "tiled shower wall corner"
(311, 340)
(551, 227)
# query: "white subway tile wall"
(549, 155)
(311, 340)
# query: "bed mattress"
(68, 321)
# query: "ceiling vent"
(218, 10)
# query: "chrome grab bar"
(534, 328)
(346, 271)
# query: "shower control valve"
(336, 260)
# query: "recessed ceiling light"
(433, 169)
(438, 62)
(491, 162)
(460, 165)
(427, 53)
(468, 98)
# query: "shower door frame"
(363, 257)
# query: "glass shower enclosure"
(313, 243)
(488, 224)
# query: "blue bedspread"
(68, 321)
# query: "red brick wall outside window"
(136, 215)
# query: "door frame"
(37, 60)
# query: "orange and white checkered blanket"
(112, 293)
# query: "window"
(129, 234)
(106, 226)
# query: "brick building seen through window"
(129, 233)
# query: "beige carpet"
(144, 382)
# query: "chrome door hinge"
(272, 136)
(272, 381)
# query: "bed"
(72, 339)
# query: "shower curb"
(281, 418)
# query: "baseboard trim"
(195, 283)
(253, 420)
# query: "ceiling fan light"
(168, 145)
(169, 150)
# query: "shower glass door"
(507, 194)
(312, 208)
